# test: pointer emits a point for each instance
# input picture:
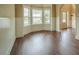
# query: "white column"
(58, 18)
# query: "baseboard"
(19, 37)
(65, 28)
(57, 30)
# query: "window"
(37, 20)
(26, 16)
(34, 16)
(37, 16)
(36, 13)
(47, 16)
(26, 21)
(26, 12)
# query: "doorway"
(67, 17)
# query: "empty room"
(39, 29)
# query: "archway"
(67, 16)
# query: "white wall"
(74, 21)
(7, 28)
(37, 27)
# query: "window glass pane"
(36, 12)
(37, 21)
(47, 21)
(47, 16)
(26, 21)
(26, 12)
(47, 13)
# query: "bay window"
(34, 16)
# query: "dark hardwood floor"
(47, 43)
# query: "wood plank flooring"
(47, 43)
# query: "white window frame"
(37, 16)
(49, 16)
(30, 18)
(25, 23)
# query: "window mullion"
(31, 16)
(43, 17)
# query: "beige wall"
(7, 28)
(53, 15)
(19, 20)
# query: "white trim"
(77, 37)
